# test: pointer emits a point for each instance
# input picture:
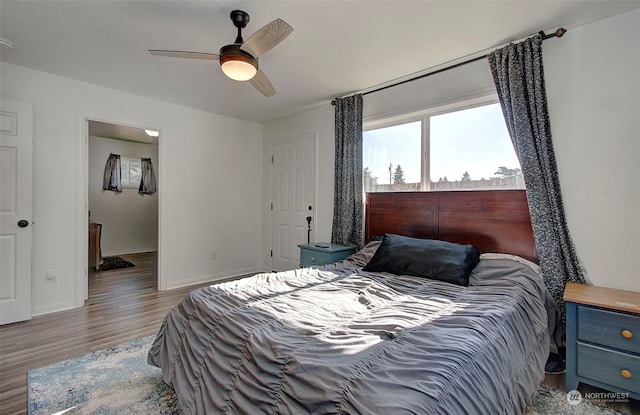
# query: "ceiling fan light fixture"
(239, 70)
(237, 64)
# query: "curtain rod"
(558, 33)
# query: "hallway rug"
(118, 380)
(114, 262)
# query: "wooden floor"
(123, 305)
(141, 279)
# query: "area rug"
(118, 380)
(114, 262)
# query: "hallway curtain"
(519, 77)
(148, 178)
(112, 170)
(348, 208)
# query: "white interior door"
(16, 198)
(292, 194)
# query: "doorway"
(293, 183)
(122, 224)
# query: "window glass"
(391, 158)
(466, 149)
(471, 149)
(124, 171)
(131, 172)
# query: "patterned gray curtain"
(148, 177)
(112, 169)
(519, 77)
(347, 199)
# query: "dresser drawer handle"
(313, 259)
(626, 373)
(627, 334)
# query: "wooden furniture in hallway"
(95, 250)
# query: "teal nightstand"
(603, 338)
(312, 254)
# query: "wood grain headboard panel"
(493, 221)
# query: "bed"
(343, 338)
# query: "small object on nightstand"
(603, 338)
(321, 253)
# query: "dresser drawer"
(609, 328)
(607, 366)
(309, 257)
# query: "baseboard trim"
(214, 278)
(53, 308)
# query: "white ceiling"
(337, 47)
(120, 132)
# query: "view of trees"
(505, 173)
(396, 177)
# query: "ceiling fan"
(239, 60)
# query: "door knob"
(23, 223)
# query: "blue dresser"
(603, 338)
(323, 253)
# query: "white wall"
(593, 87)
(129, 219)
(209, 195)
(467, 82)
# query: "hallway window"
(131, 172)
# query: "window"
(131, 172)
(464, 147)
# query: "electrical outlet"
(214, 255)
(52, 274)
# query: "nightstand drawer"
(309, 257)
(609, 328)
(611, 367)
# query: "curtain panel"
(348, 217)
(112, 170)
(148, 177)
(518, 73)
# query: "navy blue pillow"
(429, 258)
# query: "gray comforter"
(338, 340)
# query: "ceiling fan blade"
(262, 84)
(185, 54)
(267, 37)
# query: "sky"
(473, 140)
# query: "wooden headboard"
(493, 221)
